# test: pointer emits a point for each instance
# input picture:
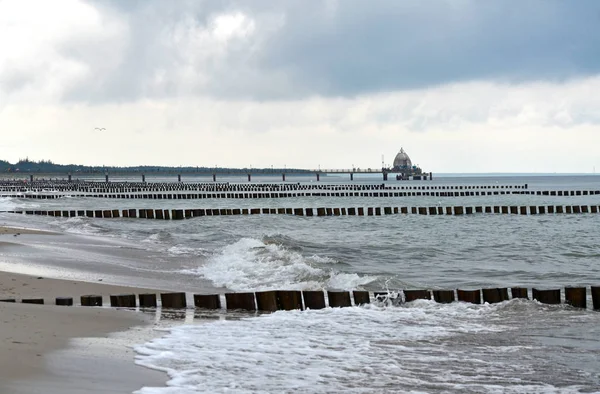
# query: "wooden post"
(39, 301)
(411, 295)
(173, 300)
(266, 300)
(361, 297)
(64, 301)
(339, 299)
(244, 301)
(147, 300)
(314, 299)
(289, 300)
(91, 300)
(519, 292)
(443, 296)
(493, 296)
(596, 297)
(576, 297)
(546, 296)
(472, 296)
(123, 301)
(207, 301)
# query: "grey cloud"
(347, 48)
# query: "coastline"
(48, 348)
(57, 349)
(40, 350)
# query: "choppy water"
(423, 347)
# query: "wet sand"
(56, 349)
(30, 335)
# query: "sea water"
(515, 346)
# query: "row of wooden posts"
(180, 214)
(125, 187)
(198, 196)
(274, 300)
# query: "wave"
(7, 204)
(421, 347)
(253, 264)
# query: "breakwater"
(273, 300)
(180, 214)
(315, 193)
(141, 187)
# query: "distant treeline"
(47, 166)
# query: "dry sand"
(30, 335)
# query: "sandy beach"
(39, 346)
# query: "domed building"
(402, 161)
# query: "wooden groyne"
(295, 194)
(273, 300)
(125, 187)
(180, 214)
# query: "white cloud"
(238, 84)
(472, 127)
(48, 48)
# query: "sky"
(461, 85)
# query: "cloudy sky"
(462, 85)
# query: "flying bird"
(99, 128)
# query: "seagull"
(99, 128)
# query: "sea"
(517, 346)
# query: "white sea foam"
(356, 350)
(183, 250)
(7, 204)
(251, 264)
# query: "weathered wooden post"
(266, 300)
(91, 300)
(39, 301)
(411, 295)
(64, 301)
(339, 299)
(289, 300)
(576, 297)
(244, 301)
(314, 299)
(546, 296)
(361, 297)
(519, 292)
(207, 301)
(472, 296)
(173, 300)
(596, 297)
(443, 296)
(123, 301)
(147, 300)
(493, 296)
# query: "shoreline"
(57, 349)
